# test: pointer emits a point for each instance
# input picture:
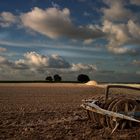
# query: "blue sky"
(99, 38)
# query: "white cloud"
(134, 29)
(121, 26)
(118, 50)
(36, 66)
(51, 22)
(55, 23)
(88, 41)
(121, 34)
(116, 11)
(35, 60)
(3, 49)
(136, 2)
(118, 32)
(83, 67)
(7, 19)
(124, 50)
(5, 63)
(2, 60)
(136, 62)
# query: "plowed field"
(52, 112)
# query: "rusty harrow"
(115, 112)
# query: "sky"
(40, 38)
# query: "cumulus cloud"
(136, 62)
(34, 63)
(55, 23)
(88, 41)
(116, 11)
(3, 49)
(5, 63)
(51, 22)
(135, 2)
(124, 50)
(121, 34)
(35, 60)
(121, 26)
(134, 30)
(7, 19)
(117, 32)
(3, 60)
(118, 50)
(81, 67)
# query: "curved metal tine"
(134, 108)
(123, 125)
(126, 109)
(116, 108)
(131, 113)
(116, 126)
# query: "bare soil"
(51, 112)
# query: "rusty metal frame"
(91, 105)
(95, 108)
(118, 86)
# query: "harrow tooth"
(120, 106)
(116, 112)
(114, 100)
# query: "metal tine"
(123, 125)
(116, 126)
(126, 107)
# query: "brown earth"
(51, 112)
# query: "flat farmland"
(48, 111)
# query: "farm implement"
(116, 111)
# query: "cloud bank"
(7, 19)
(56, 23)
(135, 2)
(3, 49)
(34, 65)
(120, 25)
(116, 11)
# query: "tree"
(57, 78)
(83, 78)
(49, 78)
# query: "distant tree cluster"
(56, 78)
(82, 78)
(49, 78)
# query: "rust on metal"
(116, 112)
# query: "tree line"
(82, 78)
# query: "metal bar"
(118, 86)
(94, 108)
